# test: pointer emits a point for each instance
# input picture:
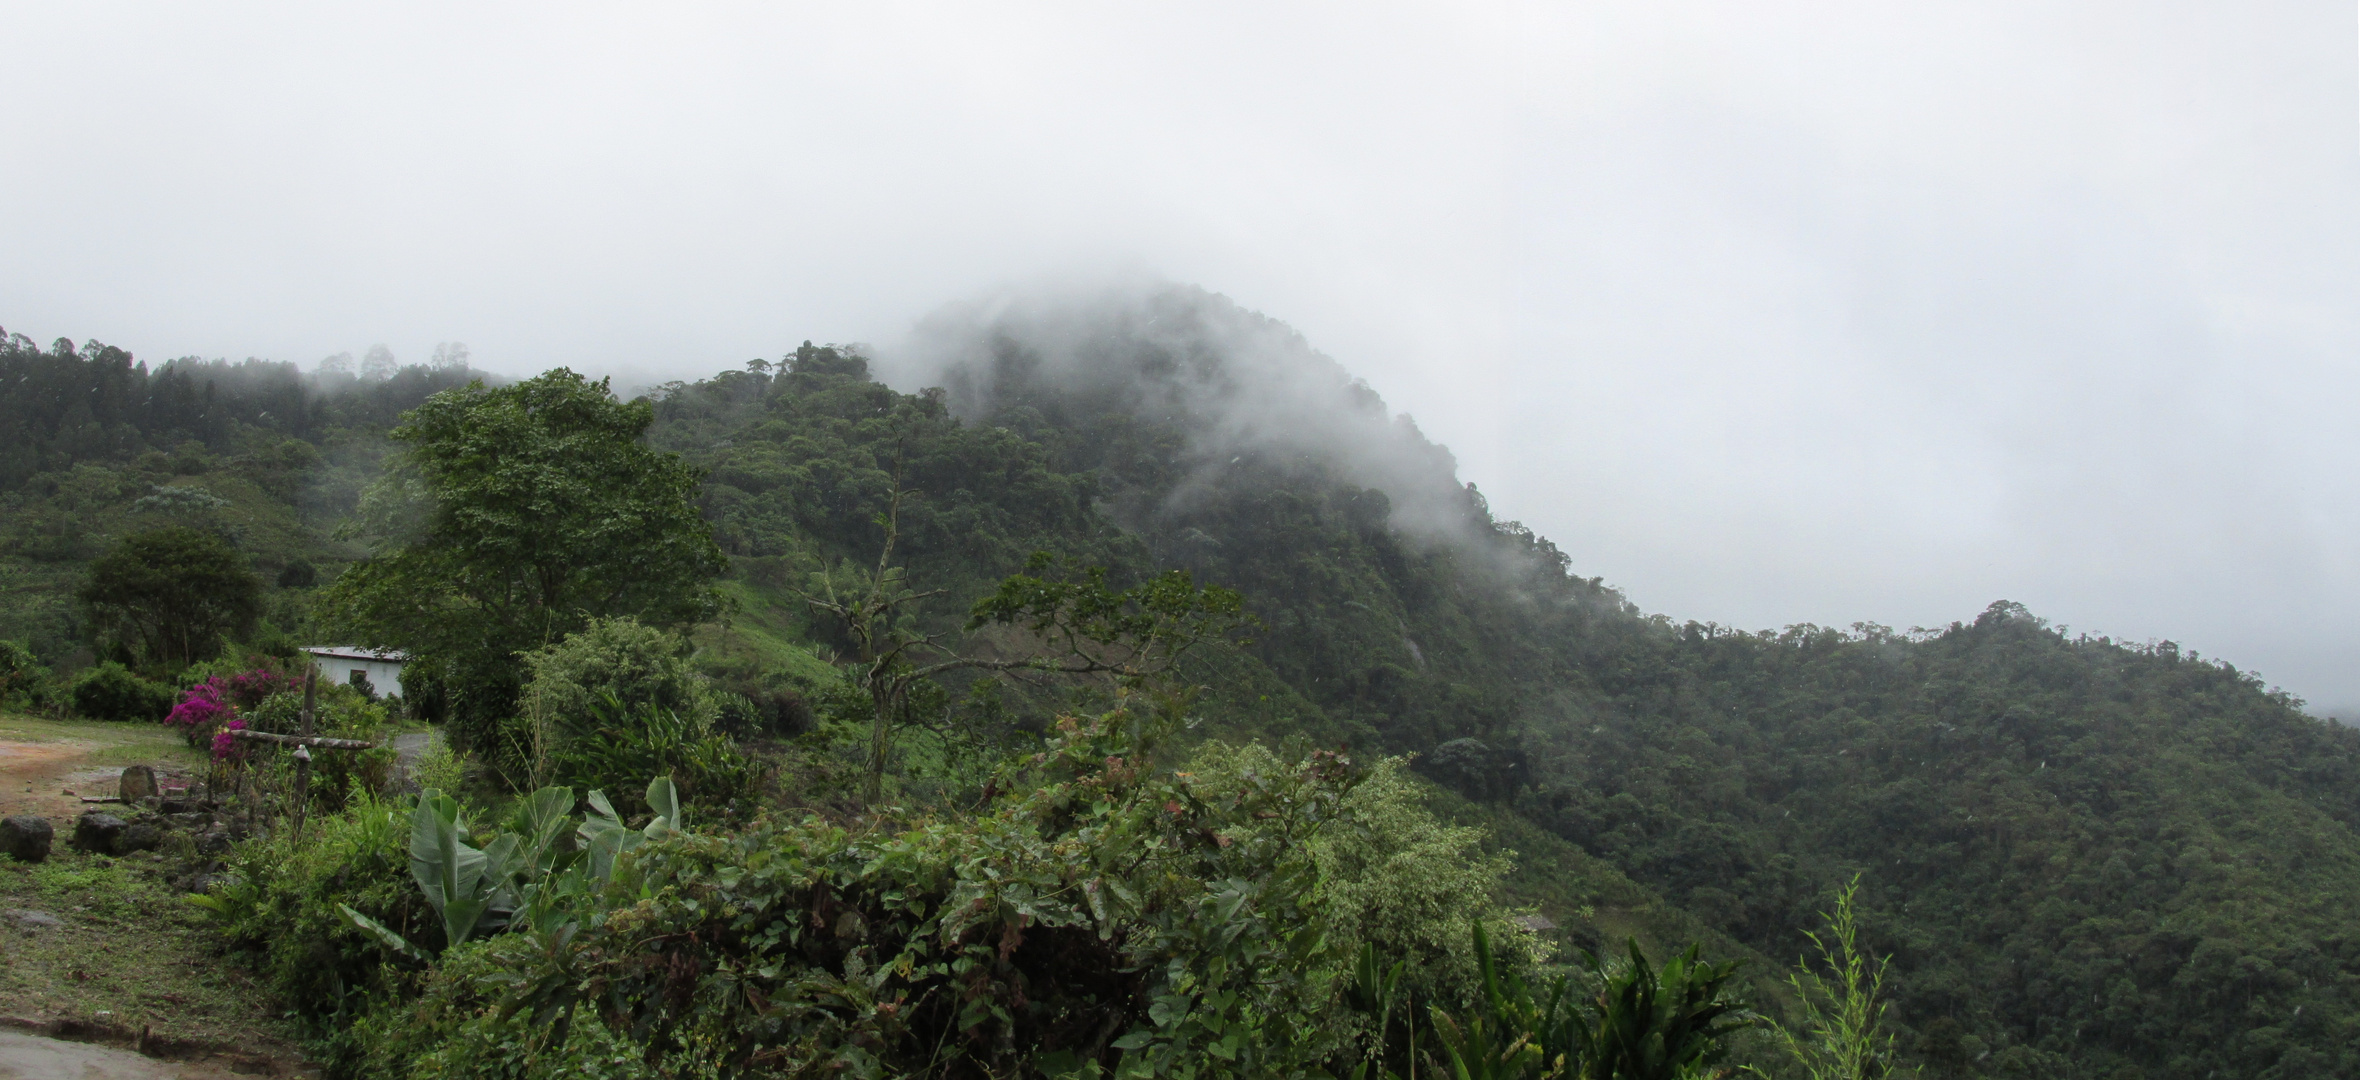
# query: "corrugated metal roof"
(355, 652)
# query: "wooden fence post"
(303, 753)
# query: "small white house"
(381, 669)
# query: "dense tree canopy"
(2043, 824)
(513, 516)
(171, 595)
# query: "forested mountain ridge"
(2043, 823)
(2088, 858)
(94, 445)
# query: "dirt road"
(109, 944)
(42, 760)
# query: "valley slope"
(2087, 858)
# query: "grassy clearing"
(132, 954)
(134, 743)
(766, 629)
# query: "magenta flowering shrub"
(226, 746)
(202, 710)
(213, 706)
(248, 689)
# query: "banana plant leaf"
(448, 869)
(604, 837)
(664, 796)
(383, 933)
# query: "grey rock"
(202, 883)
(139, 836)
(180, 806)
(195, 822)
(139, 782)
(98, 832)
(26, 837)
(213, 843)
(31, 920)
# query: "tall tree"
(512, 517)
(172, 593)
(1074, 624)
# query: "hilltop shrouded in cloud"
(1235, 382)
(1769, 313)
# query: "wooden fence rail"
(305, 740)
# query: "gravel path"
(406, 751)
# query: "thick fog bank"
(1236, 382)
(1233, 381)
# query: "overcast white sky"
(1766, 312)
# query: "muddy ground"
(103, 954)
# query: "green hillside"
(95, 446)
(2086, 858)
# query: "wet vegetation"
(1422, 798)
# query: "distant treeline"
(95, 445)
(95, 402)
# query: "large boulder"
(139, 782)
(98, 833)
(140, 835)
(26, 837)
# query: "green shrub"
(774, 705)
(341, 712)
(638, 664)
(1415, 888)
(613, 747)
(21, 673)
(1637, 1022)
(455, 1028)
(440, 768)
(616, 703)
(1095, 916)
(617, 693)
(1094, 913)
(279, 900)
(111, 692)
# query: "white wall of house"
(385, 676)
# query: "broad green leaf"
(664, 797)
(383, 933)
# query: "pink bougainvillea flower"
(225, 745)
(246, 690)
(201, 706)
